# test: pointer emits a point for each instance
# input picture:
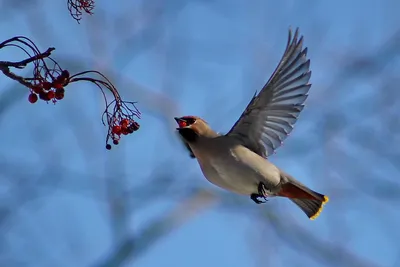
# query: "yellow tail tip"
(315, 216)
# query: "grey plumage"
(270, 115)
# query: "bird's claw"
(261, 194)
(255, 197)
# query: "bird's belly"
(233, 177)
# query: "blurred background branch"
(65, 201)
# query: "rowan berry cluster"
(49, 91)
(121, 121)
(49, 81)
(118, 115)
(77, 7)
(122, 127)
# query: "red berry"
(58, 85)
(65, 74)
(61, 90)
(32, 98)
(63, 78)
(43, 96)
(46, 86)
(135, 126)
(36, 88)
(59, 95)
(115, 142)
(108, 146)
(60, 81)
(124, 123)
(125, 131)
(51, 94)
(116, 129)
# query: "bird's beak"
(181, 122)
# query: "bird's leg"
(262, 193)
(262, 190)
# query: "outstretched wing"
(269, 117)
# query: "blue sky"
(205, 58)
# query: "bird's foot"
(255, 198)
(262, 194)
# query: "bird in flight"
(238, 160)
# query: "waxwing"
(237, 161)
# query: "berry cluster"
(49, 80)
(47, 91)
(122, 127)
(77, 7)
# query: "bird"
(238, 160)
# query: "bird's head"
(191, 127)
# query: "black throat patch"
(188, 134)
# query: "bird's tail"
(309, 201)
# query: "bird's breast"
(226, 170)
(234, 167)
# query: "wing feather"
(269, 117)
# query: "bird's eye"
(190, 121)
